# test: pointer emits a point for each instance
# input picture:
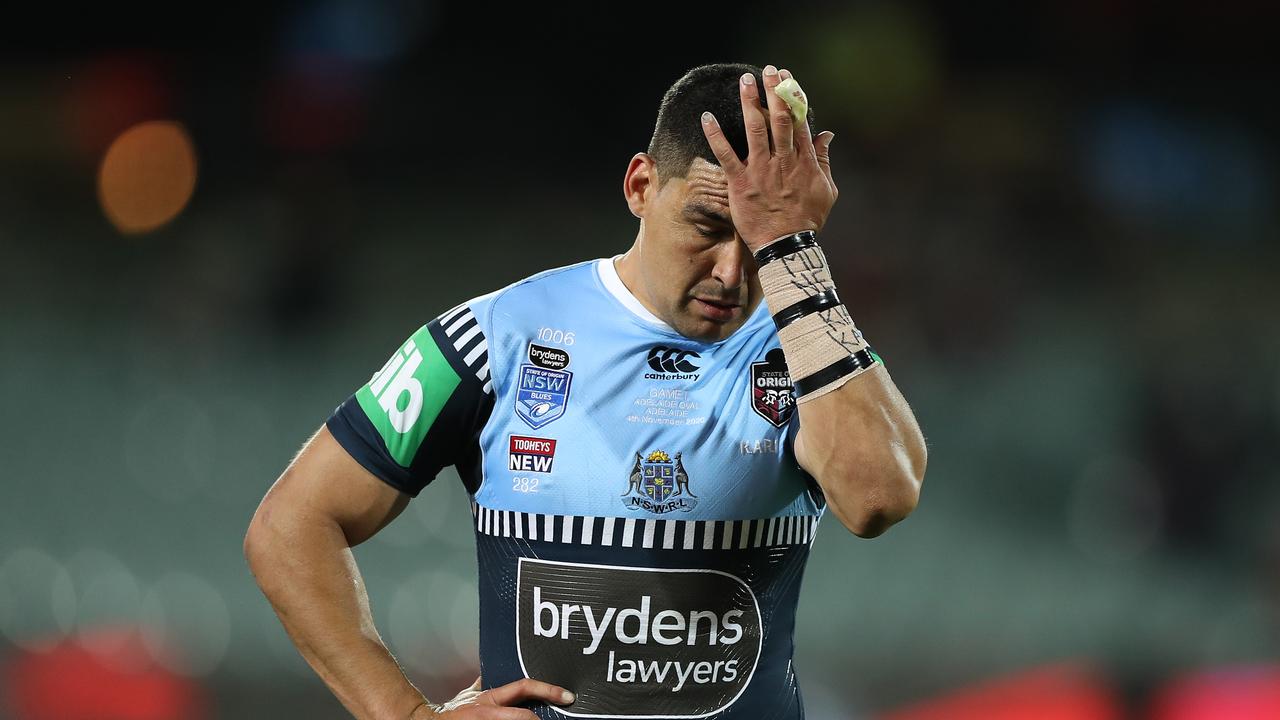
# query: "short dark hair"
(678, 137)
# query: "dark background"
(1057, 224)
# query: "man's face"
(694, 267)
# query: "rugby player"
(648, 440)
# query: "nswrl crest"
(659, 484)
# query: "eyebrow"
(705, 211)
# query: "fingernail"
(748, 79)
(770, 70)
(566, 697)
(707, 118)
(784, 74)
(831, 139)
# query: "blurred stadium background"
(1057, 224)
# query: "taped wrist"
(824, 349)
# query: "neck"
(628, 267)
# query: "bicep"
(324, 483)
(389, 439)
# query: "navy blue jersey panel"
(620, 612)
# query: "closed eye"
(696, 215)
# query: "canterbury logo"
(672, 360)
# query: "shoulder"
(565, 284)
(559, 281)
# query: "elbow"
(252, 543)
(265, 552)
(876, 516)
(892, 496)
(257, 541)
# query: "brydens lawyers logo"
(672, 364)
(637, 642)
(658, 483)
(531, 454)
(548, 357)
(542, 392)
(772, 393)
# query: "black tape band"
(807, 306)
(785, 246)
(860, 360)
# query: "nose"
(731, 258)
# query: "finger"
(724, 152)
(530, 689)
(780, 119)
(803, 137)
(754, 118)
(822, 149)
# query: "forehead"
(706, 189)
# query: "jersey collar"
(613, 283)
(608, 274)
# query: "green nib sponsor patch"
(405, 396)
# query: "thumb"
(822, 144)
(822, 148)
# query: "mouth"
(718, 310)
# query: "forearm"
(308, 573)
(857, 436)
(871, 477)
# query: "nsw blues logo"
(658, 483)
(542, 394)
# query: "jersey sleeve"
(425, 408)
(789, 444)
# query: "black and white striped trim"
(641, 532)
(460, 325)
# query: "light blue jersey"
(642, 524)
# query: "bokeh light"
(187, 627)
(107, 596)
(464, 619)
(367, 31)
(37, 599)
(878, 61)
(1115, 510)
(1063, 692)
(69, 682)
(1232, 693)
(105, 96)
(413, 627)
(169, 445)
(147, 176)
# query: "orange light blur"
(147, 176)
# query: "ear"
(640, 184)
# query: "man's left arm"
(857, 437)
(862, 444)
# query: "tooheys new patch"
(773, 395)
(531, 454)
